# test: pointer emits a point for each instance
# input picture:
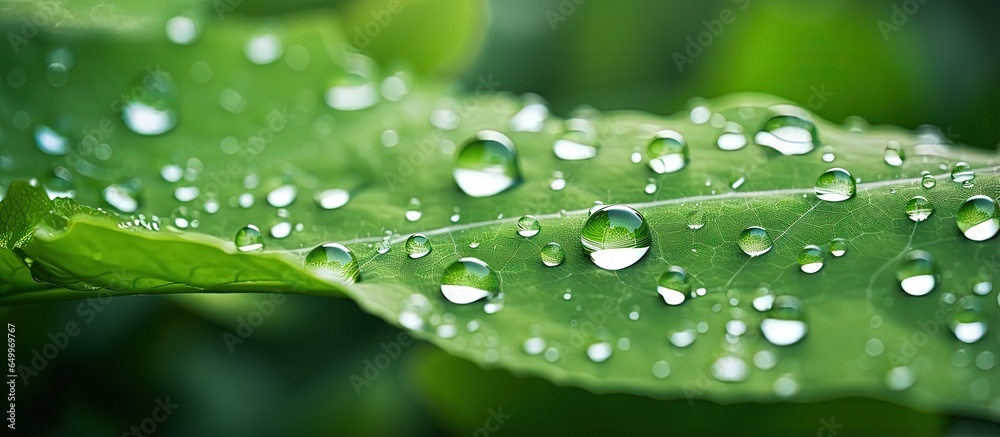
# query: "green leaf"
(851, 301)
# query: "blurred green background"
(293, 376)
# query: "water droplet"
(828, 155)
(789, 134)
(696, 219)
(636, 157)
(282, 196)
(919, 208)
(784, 323)
(395, 87)
(700, 115)
(962, 173)
(182, 30)
(281, 230)
(333, 261)
(927, 180)
(754, 241)
(978, 218)
(732, 137)
(615, 237)
(383, 246)
(557, 182)
(263, 49)
(186, 193)
(838, 247)
(417, 246)
(456, 216)
(552, 254)
(184, 217)
(737, 180)
(171, 173)
(534, 346)
(673, 285)
(57, 74)
(765, 360)
(246, 200)
(413, 210)
(836, 185)
(650, 186)
(53, 139)
(487, 165)
(667, 152)
(893, 154)
(355, 88)
(918, 273)
(332, 199)
(468, 280)
(527, 226)
(900, 378)
(874, 347)
(579, 141)
(155, 110)
(730, 369)
(531, 117)
(249, 239)
(473, 245)
(599, 352)
(968, 322)
(123, 197)
(811, 259)
(763, 299)
(683, 337)
(661, 369)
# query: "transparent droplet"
(763, 299)
(417, 246)
(527, 226)
(183, 217)
(968, 322)
(962, 173)
(673, 285)
(661, 369)
(836, 185)
(893, 154)
(534, 346)
(557, 182)
(383, 246)
(828, 155)
(615, 237)
(263, 49)
(732, 137)
(57, 74)
(730, 369)
(927, 180)
(789, 134)
(700, 114)
(599, 352)
(838, 247)
(919, 208)
(810, 259)
(754, 241)
(552, 254)
(900, 378)
(978, 218)
(468, 280)
(281, 230)
(531, 117)
(395, 87)
(579, 141)
(696, 219)
(332, 199)
(413, 210)
(171, 173)
(667, 152)
(917, 275)
(249, 239)
(124, 197)
(784, 323)
(487, 165)
(182, 30)
(333, 261)
(54, 138)
(282, 196)
(355, 88)
(650, 186)
(152, 105)
(737, 180)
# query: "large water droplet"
(789, 134)
(579, 141)
(333, 261)
(732, 137)
(487, 165)
(810, 259)
(667, 152)
(417, 246)
(918, 273)
(599, 352)
(919, 208)
(355, 88)
(552, 254)
(962, 173)
(968, 322)
(784, 323)
(615, 237)
(527, 226)
(249, 239)
(468, 280)
(893, 154)
(754, 241)
(673, 285)
(152, 106)
(978, 218)
(836, 185)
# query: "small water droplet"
(696, 219)
(182, 30)
(579, 141)
(124, 197)
(468, 280)
(661, 369)
(789, 134)
(281, 230)
(838, 247)
(263, 49)
(552, 254)
(919, 208)
(927, 180)
(282, 196)
(836, 185)
(673, 285)
(413, 210)
(683, 337)
(784, 323)
(487, 165)
(636, 157)
(962, 173)
(667, 152)
(754, 241)
(615, 237)
(900, 378)
(828, 155)
(156, 110)
(918, 273)
(417, 246)
(531, 117)
(54, 139)
(332, 199)
(730, 369)
(968, 322)
(893, 154)
(184, 217)
(650, 186)
(57, 74)
(978, 218)
(811, 259)
(249, 239)
(763, 299)
(355, 88)
(534, 346)
(732, 137)
(700, 114)
(527, 226)
(333, 261)
(599, 352)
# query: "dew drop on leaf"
(552, 254)
(332, 198)
(673, 285)
(355, 88)
(789, 134)
(978, 218)
(695, 219)
(810, 259)
(900, 378)
(919, 208)
(615, 237)
(667, 152)
(534, 346)
(334, 262)
(927, 180)
(468, 280)
(487, 165)
(968, 322)
(417, 246)
(650, 186)
(527, 226)
(754, 241)
(182, 30)
(828, 155)
(155, 111)
(918, 274)
(730, 369)
(281, 230)
(838, 247)
(413, 210)
(682, 337)
(599, 352)
(784, 323)
(962, 173)
(54, 139)
(249, 239)
(661, 369)
(732, 137)
(835, 185)
(531, 117)
(263, 49)
(124, 197)
(893, 154)
(578, 141)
